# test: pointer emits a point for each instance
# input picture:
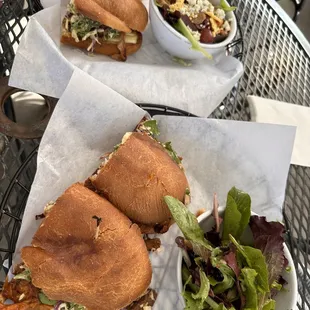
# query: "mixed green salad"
(220, 269)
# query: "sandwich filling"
(83, 28)
(21, 291)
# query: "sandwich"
(105, 27)
(86, 254)
(138, 174)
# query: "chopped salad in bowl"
(233, 259)
(206, 24)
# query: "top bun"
(138, 176)
(122, 15)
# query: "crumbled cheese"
(196, 34)
(226, 26)
(220, 13)
(193, 7)
(176, 6)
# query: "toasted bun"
(104, 48)
(138, 176)
(122, 15)
(68, 263)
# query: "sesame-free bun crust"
(104, 48)
(122, 15)
(138, 176)
(68, 263)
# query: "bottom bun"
(105, 48)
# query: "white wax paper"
(90, 119)
(45, 66)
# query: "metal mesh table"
(276, 66)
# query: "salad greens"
(237, 213)
(172, 153)
(230, 275)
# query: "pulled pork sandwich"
(138, 174)
(85, 255)
(106, 27)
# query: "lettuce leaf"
(237, 214)
(248, 286)
(187, 222)
(24, 275)
(45, 300)
(203, 292)
(172, 153)
(152, 126)
(254, 259)
(268, 237)
(270, 304)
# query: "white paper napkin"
(45, 66)
(276, 112)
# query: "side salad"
(198, 20)
(220, 270)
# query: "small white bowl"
(285, 300)
(177, 45)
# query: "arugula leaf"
(268, 237)
(45, 300)
(270, 304)
(247, 279)
(182, 28)
(237, 214)
(226, 7)
(172, 153)
(187, 222)
(254, 259)
(151, 125)
(203, 292)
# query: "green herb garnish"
(172, 153)
(45, 300)
(152, 126)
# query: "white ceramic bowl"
(285, 300)
(177, 45)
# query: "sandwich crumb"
(152, 244)
(200, 211)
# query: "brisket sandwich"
(106, 27)
(85, 255)
(136, 177)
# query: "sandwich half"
(136, 177)
(106, 27)
(86, 255)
